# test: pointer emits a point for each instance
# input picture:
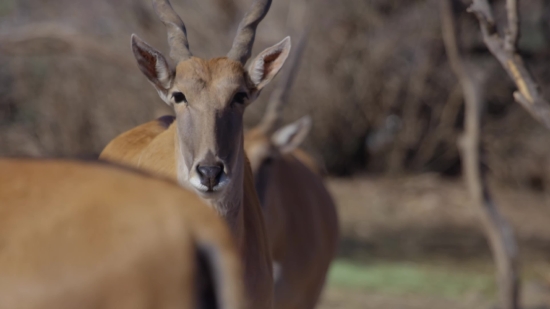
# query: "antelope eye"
(179, 97)
(240, 97)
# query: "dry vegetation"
(372, 68)
(375, 78)
(421, 247)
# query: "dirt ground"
(427, 220)
(348, 299)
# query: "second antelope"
(202, 147)
(300, 214)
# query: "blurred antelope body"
(301, 218)
(202, 147)
(88, 235)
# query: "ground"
(414, 242)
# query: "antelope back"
(88, 235)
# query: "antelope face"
(209, 98)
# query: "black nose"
(210, 175)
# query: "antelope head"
(209, 97)
(264, 145)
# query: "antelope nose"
(210, 175)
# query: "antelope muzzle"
(210, 175)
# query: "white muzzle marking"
(196, 183)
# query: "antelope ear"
(289, 137)
(268, 63)
(153, 64)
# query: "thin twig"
(497, 229)
(511, 39)
(504, 49)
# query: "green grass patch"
(409, 278)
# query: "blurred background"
(387, 111)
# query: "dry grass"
(413, 242)
(373, 71)
(412, 216)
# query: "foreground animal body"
(202, 147)
(300, 214)
(89, 235)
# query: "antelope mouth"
(210, 188)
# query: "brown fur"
(203, 148)
(128, 147)
(309, 161)
(87, 235)
(158, 157)
(149, 147)
(301, 219)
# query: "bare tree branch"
(528, 94)
(58, 38)
(512, 34)
(498, 231)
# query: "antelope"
(301, 218)
(202, 146)
(300, 214)
(88, 235)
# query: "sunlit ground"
(401, 278)
(413, 243)
(405, 285)
(410, 285)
